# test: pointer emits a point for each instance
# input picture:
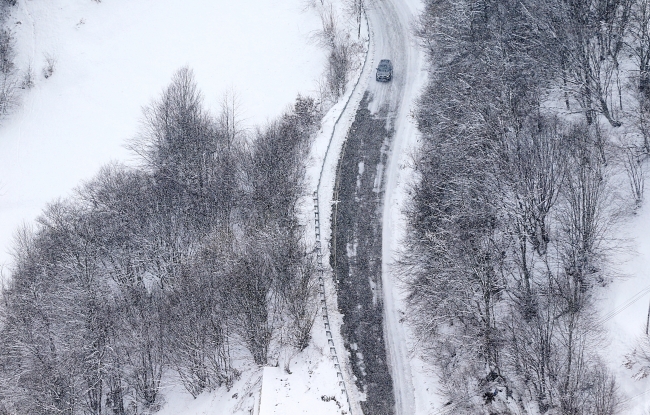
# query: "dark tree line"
(8, 76)
(158, 272)
(509, 218)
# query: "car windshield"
(383, 66)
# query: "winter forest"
(157, 268)
(196, 262)
(536, 134)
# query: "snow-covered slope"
(110, 59)
(113, 57)
(625, 309)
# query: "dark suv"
(384, 70)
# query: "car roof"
(387, 61)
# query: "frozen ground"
(112, 58)
(310, 388)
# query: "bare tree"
(639, 43)
(590, 36)
(356, 9)
(339, 48)
(633, 159)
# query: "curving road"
(366, 222)
(393, 18)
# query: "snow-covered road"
(391, 22)
(390, 25)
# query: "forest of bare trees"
(158, 272)
(533, 115)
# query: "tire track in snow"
(391, 20)
(396, 14)
(400, 15)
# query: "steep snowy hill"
(110, 58)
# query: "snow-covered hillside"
(113, 57)
(108, 60)
(625, 309)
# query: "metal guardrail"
(318, 248)
(363, 68)
(323, 305)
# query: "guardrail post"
(324, 314)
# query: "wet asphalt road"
(357, 254)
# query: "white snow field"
(311, 388)
(114, 57)
(625, 309)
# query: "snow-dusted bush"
(50, 65)
(8, 78)
(28, 78)
(337, 38)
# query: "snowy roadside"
(321, 176)
(388, 20)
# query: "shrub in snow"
(633, 161)
(8, 98)
(7, 53)
(28, 78)
(341, 53)
(8, 82)
(48, 69)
